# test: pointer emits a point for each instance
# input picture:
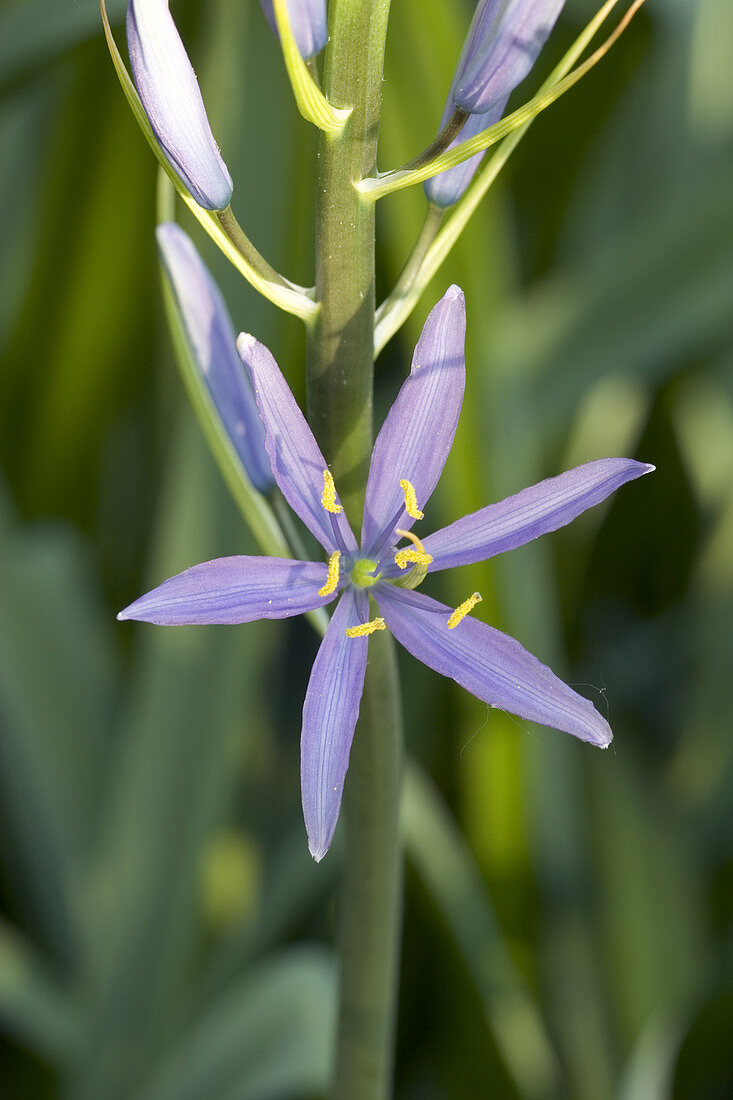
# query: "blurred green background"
(568, 912)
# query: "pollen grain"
(410, 499)
(332, 579)
(463, 609)
(411, 556)
(328, 499)
(363, 629)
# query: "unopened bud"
(308, 21)
(212, 343)
(169, 92)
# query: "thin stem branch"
(409, 276)
(449, 133)
(255, 259)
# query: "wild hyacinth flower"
(309, 23)
(502, 45)
(211, 339)
(406, 463)
(169, 91)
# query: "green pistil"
(363, 575)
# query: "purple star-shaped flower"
(407, 461)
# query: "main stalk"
(340, 354)
(340, 383)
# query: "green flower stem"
(371, 898)
(340, 344)
(340, 381)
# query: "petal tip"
(318, 851)
(245, 342)
(601, 736)
(648, 468)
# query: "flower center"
(363, 573)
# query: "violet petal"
(297, 463)
(530, 513)
(329, 717)
(418, 432)
(233, 590)
(491, 665)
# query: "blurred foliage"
(568, 913)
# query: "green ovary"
(363, 575)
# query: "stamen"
(363, 629)
(410, 499)
(410, 556)
(419, 558)
(332, 579)
(328, 499)
(419, 555)
(463, 609)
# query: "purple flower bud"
(212, 342)
(502, 45)
(308, 20)
(504, 40)
(446, 188)
(170, 94)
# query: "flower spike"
(308, 23)
(169, 92)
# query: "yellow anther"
(410, 499)
(463, 609)
(409, 555)
(333, 575)
(363, 629)
(328, 500)
(419, 558)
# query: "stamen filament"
(463, 609)
(363, 629)
(417, 554)
(328, 499)
(410, 499)
(332, 579)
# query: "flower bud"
(212, 343)
(504, 40)
(170, 94)
(308, 20)
(446, 188)
(501, 47)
